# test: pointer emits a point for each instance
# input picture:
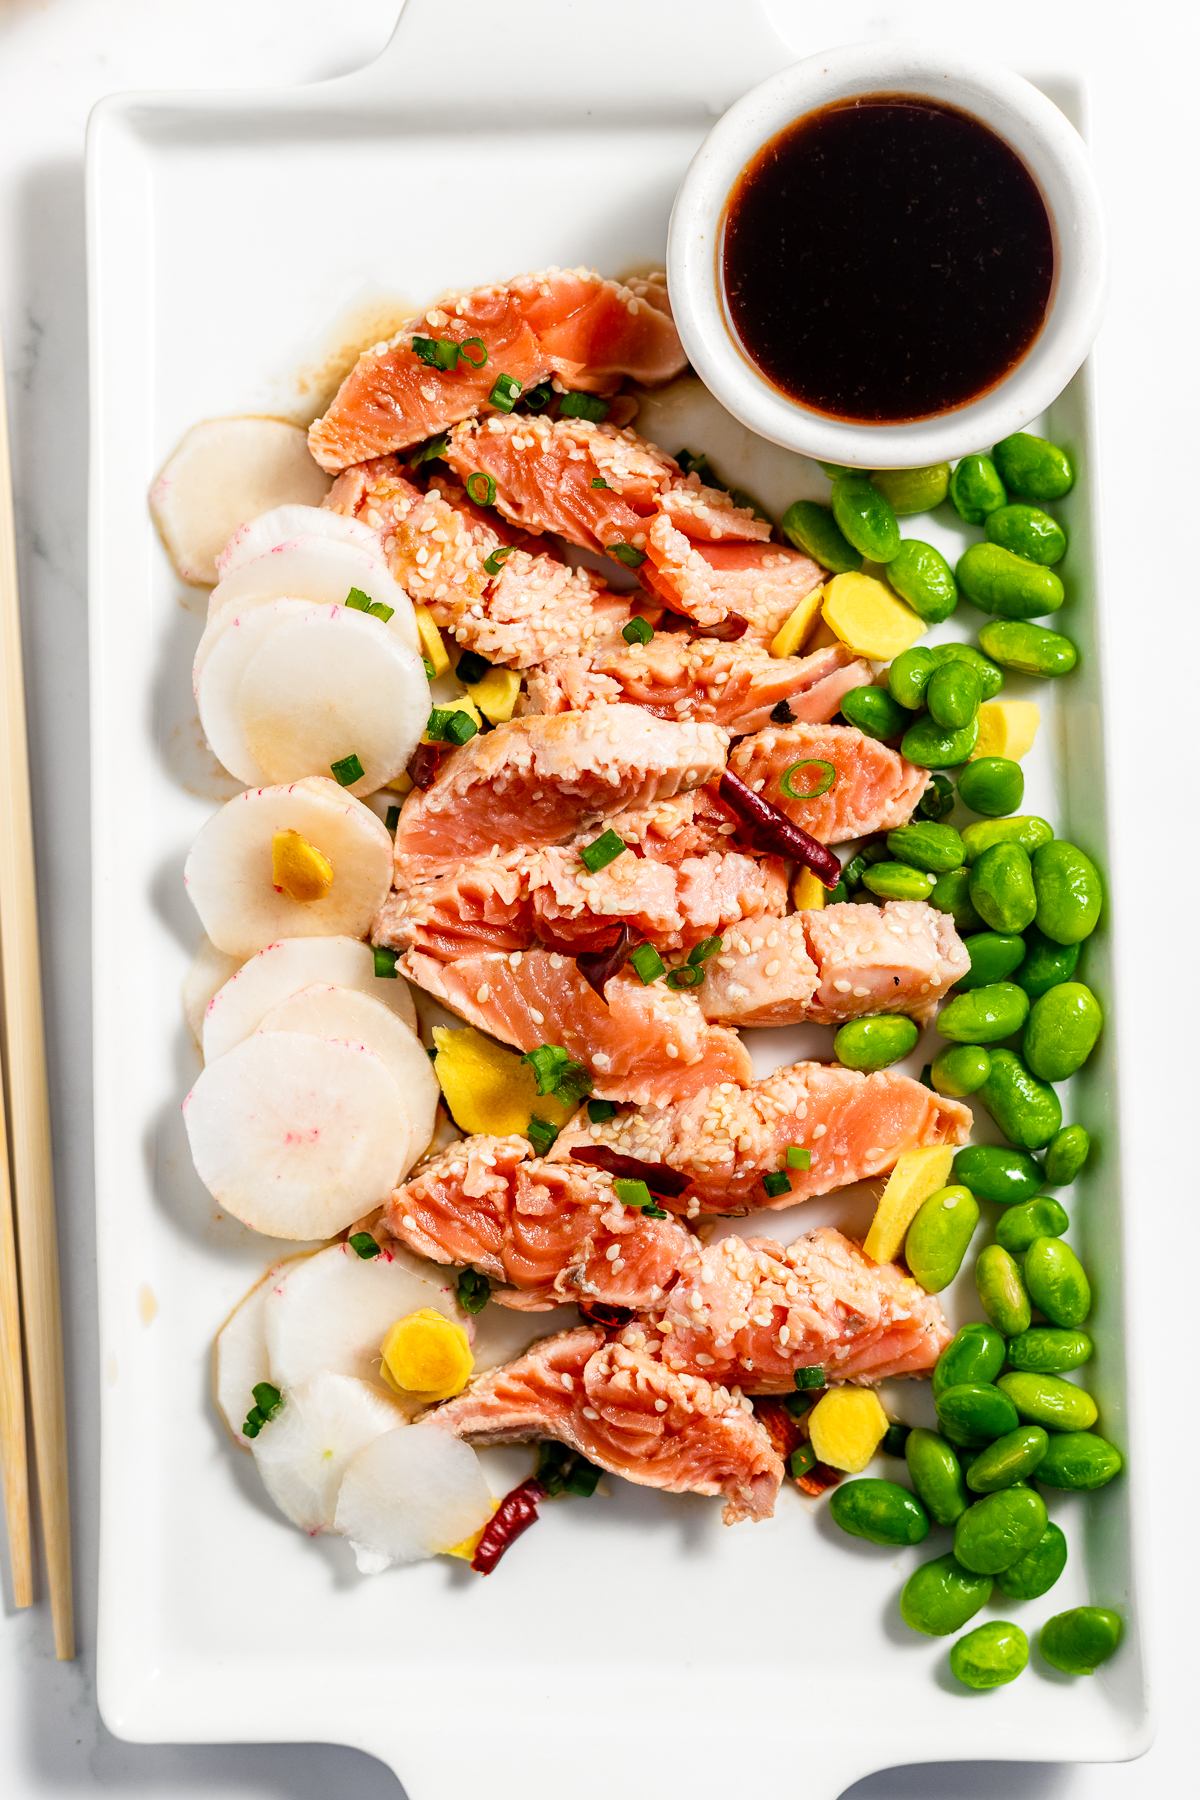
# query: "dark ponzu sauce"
(887, 259)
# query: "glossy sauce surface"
(886, 259)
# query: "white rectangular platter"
(636, 1645)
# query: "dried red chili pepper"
(771, 830)
(599, 1312)
(657, 1176)
(425, 762)
(728, 630)
(516, 1513)
(599, 966)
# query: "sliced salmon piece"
(762, 583)
(638, 1043)
(874, 788)
(540, 780)
(726, 1138)
(627, 1412)
(567, 322)
(689, 824)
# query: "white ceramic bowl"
(1031, 124)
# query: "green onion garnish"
(685, 977)
(495, 562)
(599, 481)
(802, 1460)
(471, 668)
(506, 391)
(482, 496)
(810, 1377)
(541, 1134)
(706, 948)
(430, 671)
(638, 631)
(360, 602)
(697, 465)
(637, 1195)
(926, 1077)
(440, 353)
(538, 398)
(796, 1404)
(474, 1291)
(378, 610)
(625, 553)
(347, 771)
(774, 1185)
(601, 851)
(556, 1073)
(450, 725)
(426, 349)
(471, 344)
(429, 451)
(798, 1158)
(819, 782)
(599, 1110)
(385, 960)
(582, 1479)
(393, 819)
(267, 1398)
(253, 1423)
(363, 1244)
(574, 405)
(553, 1462)
(648, 963)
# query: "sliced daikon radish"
(327, 685)
(319, 569)
(207, 975)
(227, 471)
(284, 968)
(333, 1310)
(228, 870)
(297, 1136)
(240, 1358)
(266, 529)
(338, 1012)
(502, 1334)
(410, 1494)
(304, 1451)
(221, 660)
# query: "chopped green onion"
(473, 344)
(430, 671)
(697, 465)
(926, 1077)
(426, 349)
(648, 963)
(574, 405)
(776, 1184)
(599, 481)
(810, 1377)
(393, 819)
(556, 1073)
(363, 1244)
(601, 851)
(582, 1479)
(378, 610)
(638, 631)
(471, 668)
(495, 562)
(538, 398)
(267, 1398)
(385, 962)
(474, 1291)
(554, 1460)
(253, 1423)
(637, 1195)
(450, 725)
(625, 553)
(802, 1460)
(599, 1110)
(796, 1404)
(708, 947)
(797, 1157)
(541, 1134)
(685, 977)
(824, 781)
(853, 872)
(347, 771)
(481, 496)
(429, 451)
(506, 391)
(358, 600)
(741, 498)
(439, 353)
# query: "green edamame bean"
(879, 1511)
(1031, 649)
(959, 1069)
(813, 529)
(922, 576)
(954, 694)
(873, 711)
(1017, 1228)
(994, 1172)
(1077, 1642)
(898, 881)
(1027, 1110)
(936, 1474)
(1001, 885)
(994, 955)
(984, 1015)
(1024, 829)
(974, 1355)
(999, 1530)
(874, 1043)
(938, 1237)
(1048, 1349)
(991, 677)
(974, 1414)
(1038, 1569)
(934, 746)
(894, 1439)
(1001, 1290)
(1049, 1401)
(1046, 963)
(976, 489)
(1026, 531)
(1069, 894)
(1033, 466)
(951, 894)
(934, 848)
(990, 1656)
(942, 1595)
(1081, 1461)
(1056, 1281)
(992, 785)
(863, 516)
(1062, 1030)
(1008, 1460)
(996, 581)
(1065, 1156)
(909, 491)
(937, 802)
(908, 677)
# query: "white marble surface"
(57, 57)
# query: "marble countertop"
(57, 57)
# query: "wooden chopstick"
(28, 1100)
(14, 1463)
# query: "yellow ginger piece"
(789, 639)
(1006, 728)
(868, 618)
(487, 1087)
(403, 784)
(470, 1545)
(496, 694)
(428, 1355)
(432, 644)
(821, 639)
(808, 893)
(917, 1174)
(846, 1427)
(298, 868)
(462, 703)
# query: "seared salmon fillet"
(762, 583)
(627, 1412)
(566, 322)
(539, 780)
(686, 825)
(874, 788)
(638, 1044)
(726, 1138)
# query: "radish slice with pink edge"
(226, 471)
(411, 1494)
(222, 658)
(297, 1136)
(329, 684)
(318, 569)
(209, 972)
(304, 1451)
(287, 966)
(338, 1012)
(240, 1358)
(228, 873)
(281, 523)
